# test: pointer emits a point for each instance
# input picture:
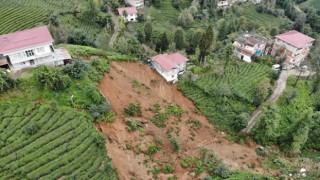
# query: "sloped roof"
(129, 10)
(169, 61)
(295, 38)
(23, 39)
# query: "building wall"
(167, 75)
(297, 55)
(41, 55)
(130, 17)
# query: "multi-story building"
(169, 66)
(248, 45)
(136, 3)
(293, 46)
(29, 48)
(128, 13)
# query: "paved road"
(116, 27)
(281, 85)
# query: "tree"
(148, 31)
(299, 21)
(205, 44)
(299, 133)
(162, 43)
(266, 129)
(185, 18)
(227, 56)
(274, 31)
(223, 30)
(6, 81)
(222, 171)
(78, 69)
(240, 122)
(155, 3)
(179, 38)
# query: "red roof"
(169, 61)
(26, 38)
(295, 38)
(129, 10)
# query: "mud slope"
(126, 148)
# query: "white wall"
(168, 75)
(19, 56)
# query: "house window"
(40, 50)
(30, 53)
(22, 63)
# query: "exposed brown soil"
(117, 87)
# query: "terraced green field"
(311, 3)
(23, 14)
(222, 98)
(45, 142)
(269, 20)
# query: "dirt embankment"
(126, 148)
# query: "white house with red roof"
(128, 13)
(170, 65)
(29, 48)
(294, 45)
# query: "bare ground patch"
(136, 82)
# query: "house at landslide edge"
(136, 3)
(170, 65)
(294, 45)
(248, 45)
(128, 13)
(29, 48)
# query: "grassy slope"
(18, 15)
(239, 78)
(64, 145)
(268, 20)
(310, 3)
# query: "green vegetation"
(222, 97)
(134, 109)
(167, 169)
(39, 141)
(310, 3)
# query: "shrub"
(159, 119)
(134, 109)
(78, 69)
(175, 144)
(51, 78)
(167, 169)
(152, 149)
(6, 82)
(131, 124)
(222, 171)
(31, 129)
(98, 111)
(175, 110)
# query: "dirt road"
(126, 148)
(281, 85)
(116, 27)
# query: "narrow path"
(281, 85)
(116, 27)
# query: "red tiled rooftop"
(170, 61)
(295, 38)
(26, 38)
(129, 10)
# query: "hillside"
(310, 3)
(44, 141)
